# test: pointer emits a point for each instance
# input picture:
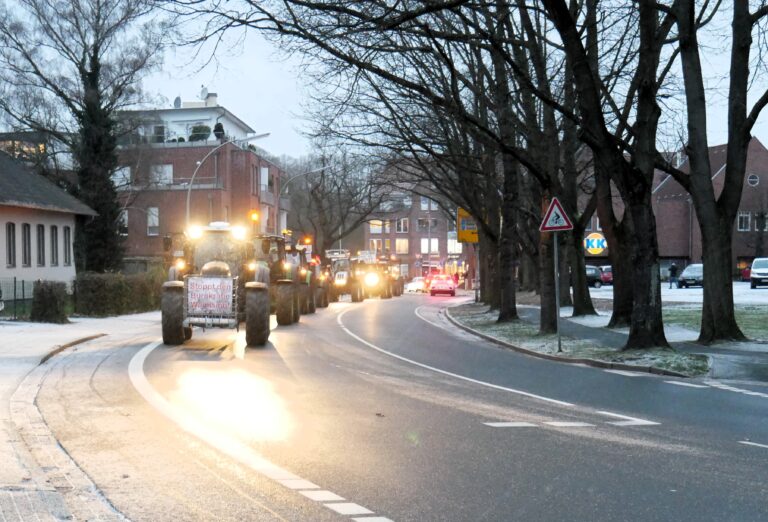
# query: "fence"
(16, 297)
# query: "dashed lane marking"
(628, 421)
(687, 384)
(231, 446)
(624, 373)
(727, 387)
(510, 424)
(371, 519)
(748, 443)
(450, 374)
(562, 424)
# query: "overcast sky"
(251, 81)
(267, 92)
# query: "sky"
(266, 90)
(251, 80)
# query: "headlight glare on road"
(371, 279)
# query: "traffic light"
(254, 214)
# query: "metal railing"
(16, 300)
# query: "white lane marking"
(688, 384)
(227, 445)
(737, 390)
(348, 508)
(561, 424)
(321, 495)
(624, 373)
(298, 484)
(372, 519)
(510, 424)
(753, 444)
(629, 421)
(438, 370)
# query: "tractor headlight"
(239, 233)
(195, 232)
(286, 265)
(371, 279)
(180, 264)
(252, 266)
(303, 271)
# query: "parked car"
(693, 275)
(442, 284)
(758, 274)
(594, 276)
(606, 274)
(415, 285)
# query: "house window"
(429, 241)
(121, 178)
(743, 221)
(375, 225)
(67, 246)
(424, 203)
(761, 221)
(386, 226)
(10, 244)
(26, 245)
(426, 224)
(401, 225)
(387, 245)
(264, 179)
(161, 174)
(54, 245)
(401, 246)
(375, 245)
(122, 223)
(454, 247)
(40, 245)
(153, 221)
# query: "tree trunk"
(508, 244)
(718, 320)
(646, 329)
(582, 301)
(547, 315)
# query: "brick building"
(155, 179)
(678, 228)
(419, 233)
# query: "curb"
(569, 360)
(58, 349)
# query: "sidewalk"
(737, 361)
(23, 346)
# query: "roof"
(217, 108)
(20, 186)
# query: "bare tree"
(65, 69)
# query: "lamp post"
(210, 153)
(283, 186)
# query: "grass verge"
(751, 319)
(526, 335)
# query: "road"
(383, 411)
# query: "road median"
(523, 337)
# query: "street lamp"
(200, 163)
(284, 185)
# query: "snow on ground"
(742, 294)
(674, 333)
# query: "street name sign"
(555, 220)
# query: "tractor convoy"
(223, 277)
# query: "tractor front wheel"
(172, 310)
(256, 316)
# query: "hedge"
(49, 301)
(117, 294)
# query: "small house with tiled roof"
(37, 225)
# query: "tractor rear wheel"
(256, 316)
(284, 310)
(172, 310)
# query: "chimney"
(211, 100)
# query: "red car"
(442, 284)
(606, 274)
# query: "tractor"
(216, 283)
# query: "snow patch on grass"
(526, 335)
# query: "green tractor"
(215, 284)
(282, 275)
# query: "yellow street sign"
(466, 227)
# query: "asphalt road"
(383, 411)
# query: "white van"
(758, 274)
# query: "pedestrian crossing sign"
(555, 219)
